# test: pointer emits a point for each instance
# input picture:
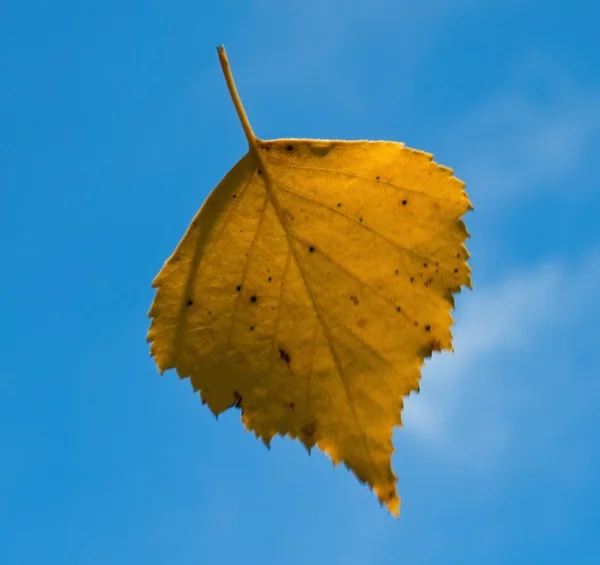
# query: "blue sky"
(115, 124)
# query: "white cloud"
(536, 129)
(465, 407)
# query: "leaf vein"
(348, 174)
(311, 292)
(362, 224)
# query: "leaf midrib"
(266, 177)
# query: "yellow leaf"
(309, 288)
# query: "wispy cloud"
(466, 407)
(536, 129)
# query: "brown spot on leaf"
(309, 431)
(361, 322)
(431, 346)
(190, 302)
(253, 299)
(284, 355)
(404, 202)
(354, 299)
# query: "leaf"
(309, 288)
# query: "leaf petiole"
(235, 97)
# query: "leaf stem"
(235, 97)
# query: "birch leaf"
(309, 289)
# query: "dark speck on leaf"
(354, 299)
(284, 355)
(339, 204)
(360, 219)
(269, 279)
(238, 287)
(251, 328)
(259, 172)
(425, 265)
(289, 147)
(253, 298)
(292, 406)
(427, 328)
(404, 202)
(412, 279)
(377, 177)
(398, 309)
(455, 271)
(311, 249)
(234, 195)
(396, 271)
(190, 302)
